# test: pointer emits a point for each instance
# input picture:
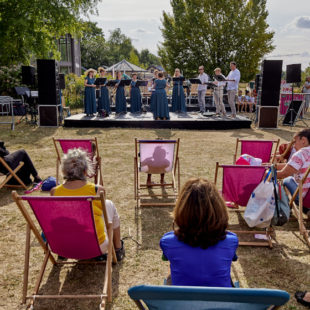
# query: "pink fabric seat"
(68, 225)
(256, 148)
(306, 200)
(240, 181)
(76, 143)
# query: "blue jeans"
(291, 185)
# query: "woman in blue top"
(120, 99)
(200, 250)
(178, 98)
(135, 95)
(104, 99)
(159, 100)
(90, 92)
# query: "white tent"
(125, 66)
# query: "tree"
(134, 58)
(213, 33)
(146, 58)
(29, 28)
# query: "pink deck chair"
(258, 148)
(303, 202)
(157, 157)
(238, 183)
(69, 228)
(63, 145)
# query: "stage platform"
(190, 120)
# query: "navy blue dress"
(120, 99)
(178, 98)
(160, 101)
(90, 97)
(104, 100)
(135, 98)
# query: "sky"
(141, 21)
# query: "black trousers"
(28, 168)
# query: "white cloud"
(303, 22)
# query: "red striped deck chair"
(90, 145)
(238, 183)
(157, 157)
(304, 202)
(69, 228)
(263, 149)
(12, 173)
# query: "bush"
(10, 77)
(74, 92)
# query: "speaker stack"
(28, 75)
(269, 93)
(48, 87)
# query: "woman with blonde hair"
(90, 92)
(76, 165)
(178, 98)
(200, 249)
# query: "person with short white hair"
(76, 165)
(233, 79)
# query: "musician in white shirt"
(202, 89)
(232, 87)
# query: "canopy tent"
(125, 66)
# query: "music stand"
(124, 83)
(220, 78)
(100, 81)
(195, 81)
(141, 83)
(176, 79)
(112, 83)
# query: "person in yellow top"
(76, 165)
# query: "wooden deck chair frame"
(98, 178)
(174, 185)
(288, 148)
(106, 295)
(297, 210)
(272, 155)
(268, 230)
(12, 174)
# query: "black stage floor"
(189, 120)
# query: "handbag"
(282, 209)
(261, 205)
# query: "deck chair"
(257, 148)
(156, 157)
(303, 202)
(238, 183)
(69, 228)
(202, 298)
(63, 145)
(11, 174)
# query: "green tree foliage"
(29, 28)
(146, 58)
(213, 33)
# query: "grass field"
(286, 266)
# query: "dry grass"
(284, 267)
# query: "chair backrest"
(157, 156)
(71, 144)
(202, 298)
(68, 225)
(257, 148)
(306, 200)
(240, 181)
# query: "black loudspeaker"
(257, 82)
(268, 117)
(48, 116)
(61, 81)
(293, 73)
(292, 112)
(47, 82)
(28, 75)
(271, 82)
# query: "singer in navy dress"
(135, 95)
(178, 98)
(160, 101)
(153, 90)
(104, 99)
(120, 99)
(90, 92)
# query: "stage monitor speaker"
(293, 73)
(61, 81)
(268, 117)
(292, 113)
(48, 115)
(271, 74)
(28, 75)
(47, 82)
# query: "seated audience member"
(293, 171)
(240, 101)
(13, 160)
(303, 297)
(76, 165)
(248, 101)
(200, 249)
